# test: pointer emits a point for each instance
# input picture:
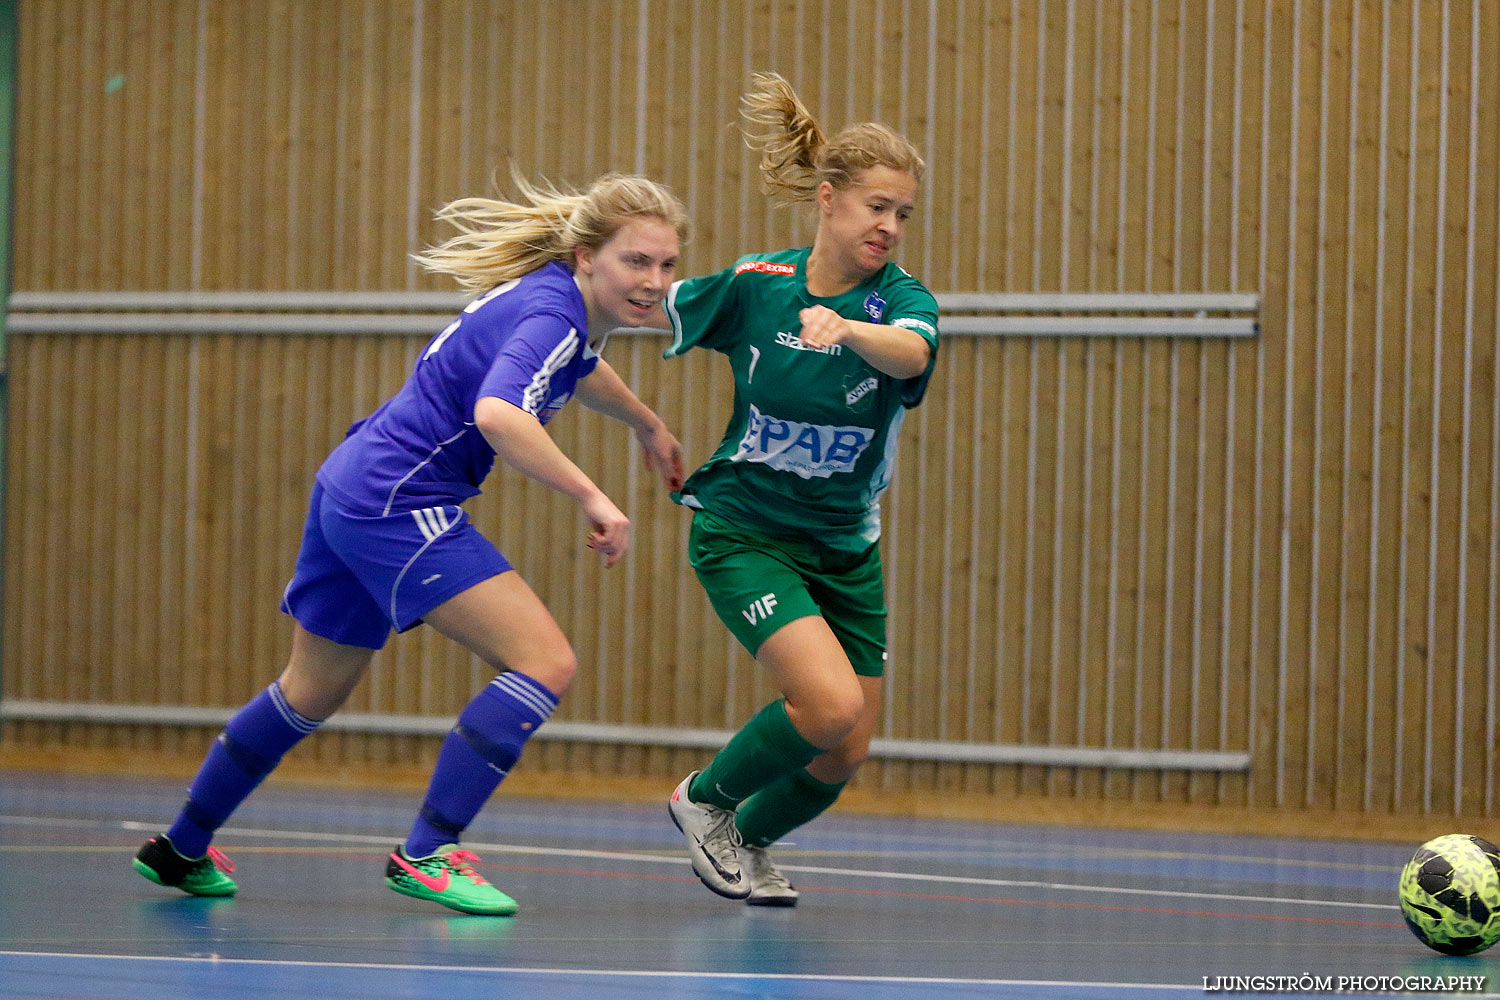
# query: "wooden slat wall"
(1286, 546)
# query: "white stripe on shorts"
(431, 521)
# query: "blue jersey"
(525, 341)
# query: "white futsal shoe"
(713, 842)
(768, 887)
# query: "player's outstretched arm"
(895, 350)
(603, 391)
(521, 442)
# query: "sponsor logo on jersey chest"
(765, 267)
(795, 343)
(812, 451)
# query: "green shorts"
(758, 583)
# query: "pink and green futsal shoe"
(447, 876)
(159, 861)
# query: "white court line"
(69, 824)
(1072, 984)
(621, 973)
(564, 852)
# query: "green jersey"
(811, 443)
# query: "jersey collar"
(809, 298)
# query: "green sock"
(764, 749)
(782, 806)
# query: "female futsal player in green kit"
(830, 346)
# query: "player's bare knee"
(554, 669)
(828, 721)
(846, 716)
(319, 678)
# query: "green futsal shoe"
(159, 861)
(447, 876)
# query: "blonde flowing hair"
(500, 240)
(794, 155)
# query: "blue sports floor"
(892, 909)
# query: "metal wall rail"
(288, 301)
(1110, 314)
(660, 736)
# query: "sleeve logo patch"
(765, 267)
(917, 325)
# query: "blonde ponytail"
(796, 158)
(500, 240)
(777, 124)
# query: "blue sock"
(477, 753)
(248, 749)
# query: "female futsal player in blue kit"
(388, 545)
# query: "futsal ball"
(1450, 894)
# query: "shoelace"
(723, 818)
(221, 860)
(463, 860)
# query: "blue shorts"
(359, 576)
